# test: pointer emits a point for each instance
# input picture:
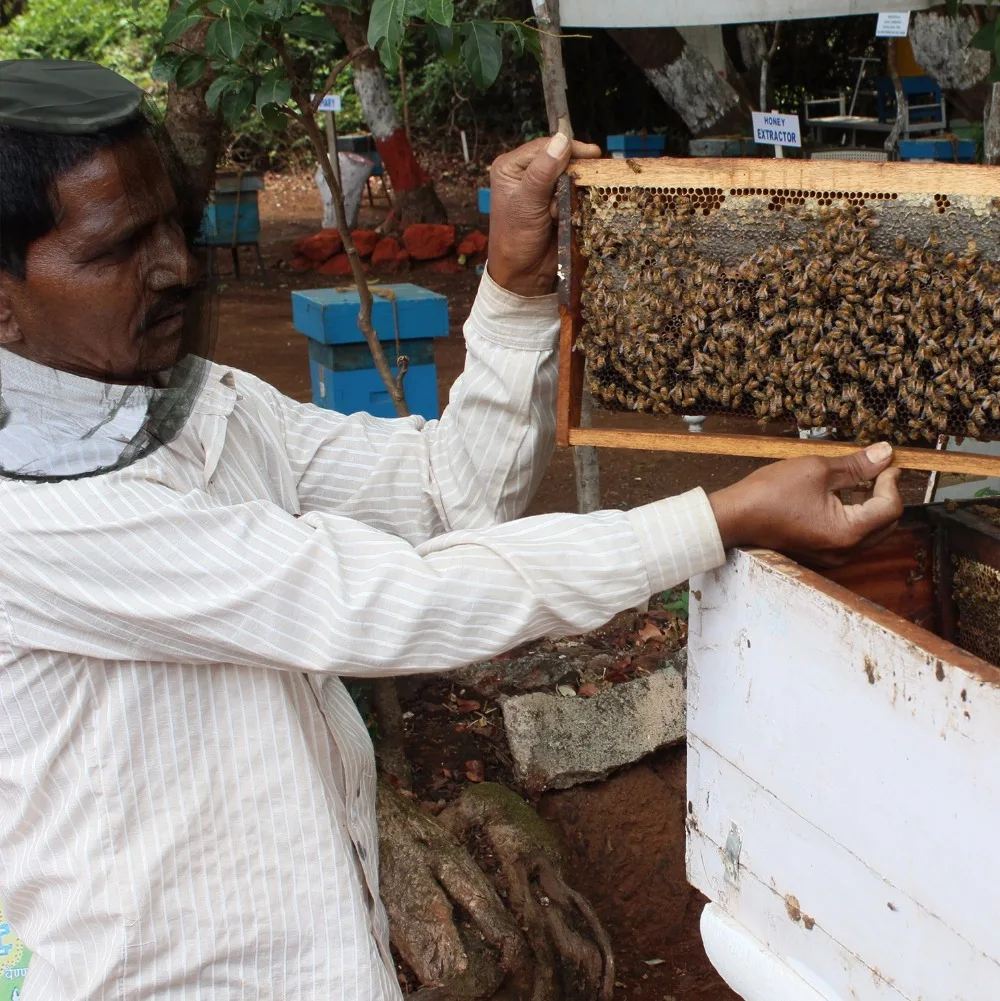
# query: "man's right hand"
(794, 506)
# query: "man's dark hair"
(30, 164)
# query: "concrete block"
(558, 741)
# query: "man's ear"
(9, 330)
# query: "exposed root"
(445, 917)
(572, 957)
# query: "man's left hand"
(523, 255)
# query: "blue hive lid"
(330, 315)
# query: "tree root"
(449, 920)
(426, 875)
(571, 953)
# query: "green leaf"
(533, 43)
(165, 68)
(441, 11)
(190, 71)
(216, 89)
(351, 5)
(177, 23)
(312, 26)
(952, 6)
(226, 37)
(525, 39)
(236, 101)
(994, 76)
(482, 52)
(413, 8)
(242, 7)
(442, 37)
(274, 89)
(516, 31)
(983, 39)
(385, 30)
(274, 118)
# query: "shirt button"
(354, 813)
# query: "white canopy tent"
(676, 13)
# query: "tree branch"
(334, 73)
(307, 117)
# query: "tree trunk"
(686, 80)
(194, 130)
(991, 127)
(941, 47)
(416, 199)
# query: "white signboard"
(771, 129)
(892, 25)
(660, 13)
(330, 103)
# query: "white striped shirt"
(187, 806)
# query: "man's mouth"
(165, 326)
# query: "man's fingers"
(522, 157)
(848, 471)
(876, 537)
(586, 151)
(881, 510)
(547, 166)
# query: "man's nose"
(169, 262)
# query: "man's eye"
(120, 251)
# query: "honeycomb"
(869, 313)
(976, 592)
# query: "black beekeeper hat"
(63, 97)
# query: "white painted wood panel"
(839, 742)
(660, 13)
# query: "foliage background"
(105, 31)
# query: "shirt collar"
(57, 424)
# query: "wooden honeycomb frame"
(881, 179)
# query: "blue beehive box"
(946, 150)
(341, 367)
(923, 98)
(635, 145)
(231, 217)
(484, 201)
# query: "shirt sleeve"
(478, 465)
(146, 573)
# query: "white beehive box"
(844, 794)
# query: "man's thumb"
(546, 168)
(850, 470)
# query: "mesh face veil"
(106, 327)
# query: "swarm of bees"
(830, 325)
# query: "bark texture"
(195, 132)
(686, 80)
(521, 934)
(941, 47)
(416, 199)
